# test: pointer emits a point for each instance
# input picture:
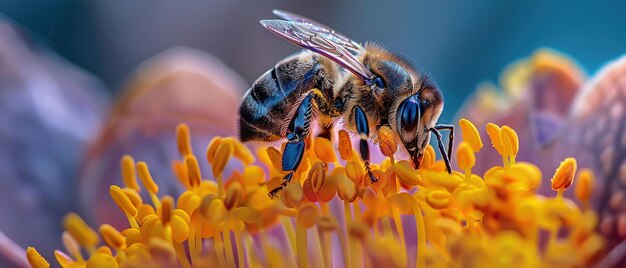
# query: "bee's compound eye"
(409, 114)
(379, 82)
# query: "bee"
(334, 79)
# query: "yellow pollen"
(471, 135)
(387, 141)
(128, 172)
(345, 145)
(183, 140)
(35, 259)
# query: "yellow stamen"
(465, 158)
(63, 259)
(228, 246)
(180, 170)
(345, 145)
(35, 259)
(355, 171)
(584, 186)
(128, 173)
(324, 150)
(80, 231)
(510, 142)
(193, 170)
(212, 149)
(167, 207)
(241, 152)
(71, 246)
(276, 157)
(387, 142)
(421, 236)
(101, 261)
(133, 196)
(104, 250)
(290, 234)
(438, 199)
(406, 174)
(183, 140)
(148, 182)
(112, 237)
(234, 195)
(143, 211)
(564, 175)
(124, 203)
(222, 155)
(496, 140)
(471, 135)
(347, 190)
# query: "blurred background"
(63, 64)
(459, 43)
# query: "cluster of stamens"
(424, 217)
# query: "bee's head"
(415, 115)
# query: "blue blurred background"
(461, 43)
(50, 111)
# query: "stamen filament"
(301, 241)
(228, 245)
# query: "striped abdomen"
(272, 98)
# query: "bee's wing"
(321, 29)
(299, 34)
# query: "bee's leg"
(364, 132)
(296, 133)
(450, 137)
(446, 159)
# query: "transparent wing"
(321, 29)
(299, 34)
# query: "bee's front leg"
(442, 150)
(296, 133)
(363, 130)
(450, 137)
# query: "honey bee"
(335, 79)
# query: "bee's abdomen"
(268, 103)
